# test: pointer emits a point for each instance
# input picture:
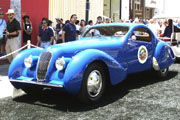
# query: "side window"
(142, 34)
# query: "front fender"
(164, 55)
(17, 67)
(77, 66)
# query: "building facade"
(65, 8)
(142, 9)
(116, 9)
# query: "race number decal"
(142, 54)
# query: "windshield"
(115, 31)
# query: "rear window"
(142, 34)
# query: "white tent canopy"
(166, 16)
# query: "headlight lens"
(28, 61)
(60, 62)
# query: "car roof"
(130, 25)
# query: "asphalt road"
(141, 96)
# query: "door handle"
(130, 44)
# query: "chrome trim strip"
(36, 83)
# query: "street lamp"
(87, 10)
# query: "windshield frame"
(125, 29)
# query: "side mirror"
(133, 37)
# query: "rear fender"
(164, 55)
(77, 66)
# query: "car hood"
(69, 49)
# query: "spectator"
(12, 32)
(165, 23)
(62, 22)
(67, 21)
(69, 30)
(83, 27)
(136, 20)
(91, 32)
(153, 26)
(99, 20)
(27, 29)
(170, 28)
(161, 29)
(40, 25)
(90, 23)
(50, 26)
(107, 21)
(45, 37)
(2, 36)
(121, 21)
(58, 21)
(60, 34)
(77, 23)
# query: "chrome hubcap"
(164, 71)
(94, 83)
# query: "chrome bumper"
(36, 83)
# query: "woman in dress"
(82, 27)
(27, 29)
(59, 40)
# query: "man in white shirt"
(153, 26)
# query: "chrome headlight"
(60, 62)
(28, 61)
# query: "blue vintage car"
(105, 54)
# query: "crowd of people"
(67, 31)
(63, 32)
(161, 27)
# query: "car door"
(139, 50)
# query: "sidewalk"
(6, 89)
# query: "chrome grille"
(43, 65)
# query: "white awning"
(166, 16)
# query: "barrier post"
(28, 44)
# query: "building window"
(137, 7)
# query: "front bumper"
(36, 83)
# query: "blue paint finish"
(164, 55)
(17, 67)
(75, 69)
(118, 53)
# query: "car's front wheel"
(32, 90)
(93, 84)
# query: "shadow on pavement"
(4, 69)
(177, 60)
(65, 102)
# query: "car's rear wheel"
(93, 84)
(163, 73)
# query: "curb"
(4, 61)
(6, 89)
